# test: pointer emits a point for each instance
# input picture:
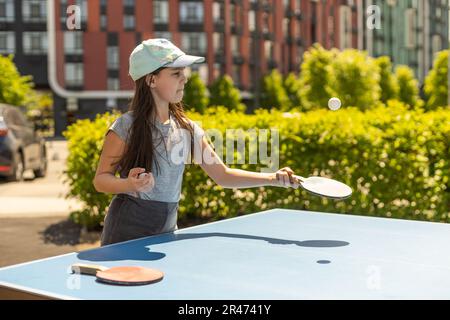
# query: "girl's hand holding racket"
(140, 181)
(285, 178)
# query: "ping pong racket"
(324, 187)
(127, 275)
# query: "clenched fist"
(140, 181)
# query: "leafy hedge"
(396, 159)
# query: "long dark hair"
(139, 150)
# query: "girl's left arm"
(235, 178)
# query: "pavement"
(34, 215)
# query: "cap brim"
(184, 61)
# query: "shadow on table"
(141, 249)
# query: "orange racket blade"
(125, 275)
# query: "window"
(268, 49)
(7, 42)
(128, 22)
(235, 45)
(103, 21)
(2, 9)
(194, 42)
(163, 34)
(251, 20)
(35, 42)
(233, 15)
(218, 12)
(34, 10)
(84, 9)
(218, 42)
(14, 117)
(128, 3)
(436, 44)
(113, 84)
(113, 58)
(217, 70)
(286, 23)
(160, 12)
(265, 26)
(410, 28)
(74, 74)
(345, 27)
(236, 75)
(73, 42)
(191, 12)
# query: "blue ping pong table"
(274, 254)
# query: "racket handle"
(299, 178)
(91, 269)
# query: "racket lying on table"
(127, 276)
(324, 187)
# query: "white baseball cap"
(153, 54)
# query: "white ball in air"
(334, 104)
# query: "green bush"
(293, 89)
(14, 88)
(315, 76)
(195, 94)
(274, 94)
(396, 160)
(85, 140)
(388, 82)
(436, 83)
(356, 79)
(408, 85)
(224, 93)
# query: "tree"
(355, 79)
(388, 82)
(315, 77)
(292, 86)
(224, 93)
(408, 85)
(436, 83)
(273, 93)
(195, 94)
(14, 88)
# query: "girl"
(137, 146)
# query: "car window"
(14, 117)
(21, 119)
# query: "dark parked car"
(20, 146)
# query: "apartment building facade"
(242, 38)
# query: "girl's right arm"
(105, 180)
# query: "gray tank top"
(169, 178)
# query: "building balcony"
(219, 26)
(191, 27)
(272, 64)
(267, 7)
(161, 26)
(236, 30)
(219, 57)
(288, 13)
(238, 59)
(74, 86)
(268, 36)
(254, 6)
(128, 11)
(73, 58)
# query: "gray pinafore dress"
(131, 216)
